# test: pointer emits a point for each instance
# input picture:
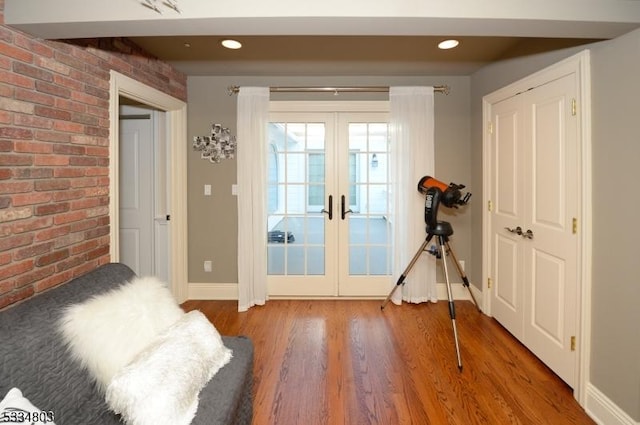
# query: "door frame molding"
(580, 65)
(176, 122)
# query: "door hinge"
(574, 225)
(490, 127)
(573, 343)
(490, 206)
(489, 283)
(574, 107)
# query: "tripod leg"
(452, 307)
(406, 271)
(465, 281)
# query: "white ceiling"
(332, 37)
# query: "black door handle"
(342, 208)
(330, 212)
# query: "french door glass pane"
(296, 227)
(369, 229)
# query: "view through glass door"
(328, 203)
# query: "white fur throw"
(162, 384)
(107, 331)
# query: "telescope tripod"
(442, 230)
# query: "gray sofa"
(34, 359)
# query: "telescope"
(450, 195)
(437, 192)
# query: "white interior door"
(534, 186)
(551, 250)
(507, 215)
(136, 190)
(328, 233)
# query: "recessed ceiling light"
(448, 44)
(231, 44)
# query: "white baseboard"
(603, 411)
(212, 291)
(229, 291)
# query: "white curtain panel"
(411, 158)
(253, 119)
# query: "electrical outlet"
(207, 190)
(207, 265)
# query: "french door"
(328, 199)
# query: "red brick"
(85, 268)
(54, 113)
(15, 52)
(15, 160)
(52, 257)
(16, 269)
(5, 202)
(96, 171)
(70, 263)
(53, 89)
(49, 209)
(97, 232)
(98, 252)
(5, 258)
(6, 286)
(68, 127)
(6, 146)
(67, 195)
(32, 71)
(15, 214)
(30, 199)
(35, 275)
(70, 239)
(32, 121)
(98, 151)
(16, 186)
(15, 241)
(33, 173)
(79, 226)
(34, 97)
(70, 217)
(69, 83)
(70, 105)
(23, 226)
(33, 147)
(52, 281)
(96, 191)
(69, 172)
(84, 247)
(52, 184)
(51, 160)
(54, 232)
(15, 133)
(5, 173)
(15, 296)
(96, 131)
(89, 140)
(52, 136)
(32, 251)
(85, 203)
(84, 182)
(67, 149)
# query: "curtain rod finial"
(231, 90)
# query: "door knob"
(517, 230)
(342, 208)
(330, 212)
(528, 234)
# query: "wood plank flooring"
(328, 362)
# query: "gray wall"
(615, 314)
(213, 220)
(615, 352)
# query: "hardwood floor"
(347, 362)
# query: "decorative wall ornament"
(220, 145)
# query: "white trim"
(604, 411)
(176, 115)
(580, 65)
(229, 291)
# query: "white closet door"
(535, 196)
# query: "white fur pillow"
(162, 384)
(107, 331)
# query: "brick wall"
(54, 153)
